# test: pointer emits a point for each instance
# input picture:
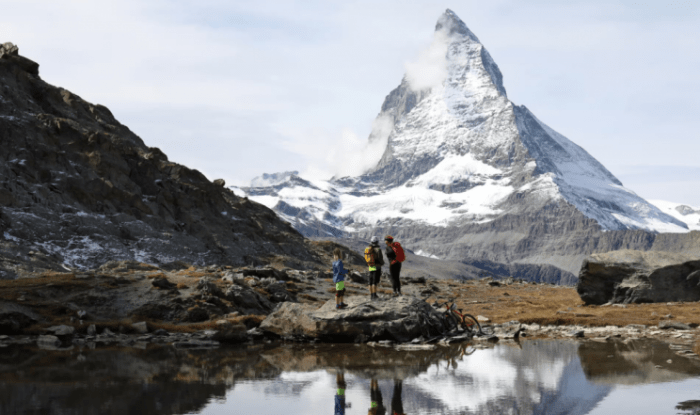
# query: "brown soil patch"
(531, 303)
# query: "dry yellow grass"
(556, 305)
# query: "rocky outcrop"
(77, 189)
(639, 277)
(399, 319)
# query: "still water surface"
(531, 377)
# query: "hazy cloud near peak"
(430, 67)
(348, 155)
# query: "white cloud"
(328, 155)
(430, 68)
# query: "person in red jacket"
(395, 263)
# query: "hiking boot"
(343, 305)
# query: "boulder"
(247, 300)
(399, 319)
(639, 277)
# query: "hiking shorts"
(375, 276)
(340, 289)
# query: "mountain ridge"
(78, 189)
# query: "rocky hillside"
(467, 175)
(78, 189)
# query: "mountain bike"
(454, 318)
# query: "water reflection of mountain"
(543, 377)
(159, 380)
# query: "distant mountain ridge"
(468, 175)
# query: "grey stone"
(673, 325)
(207, 286)
(62, 330)
(140, 327)
(91, 330)
(639, 277)
(48, 341)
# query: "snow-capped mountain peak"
(459, 156)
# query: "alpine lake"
(639, 376)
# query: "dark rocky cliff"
(77, 188)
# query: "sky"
(238, 89)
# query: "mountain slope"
(468, 175)
(77, 189)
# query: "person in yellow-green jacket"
(375, 260)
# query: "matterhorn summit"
(465, 174)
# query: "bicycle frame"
(452, 310)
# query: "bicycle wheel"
(476, 327)
(468, 324)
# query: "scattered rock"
(163, 283)
(48, 341)
(61, 331)
(140, 327)
(673, 325)
(207, 286)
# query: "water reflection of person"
(396, 402)
(376, 406)
(340, 393)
